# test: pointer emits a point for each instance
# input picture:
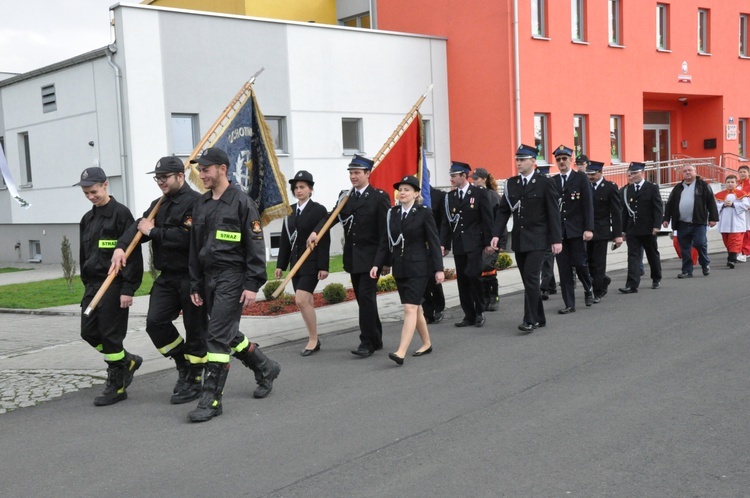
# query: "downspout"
(111, 50)
(373, 14)
(517, 71)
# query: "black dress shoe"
(396, 358)
(479, 321)
(685, 275)
(545, 295)
(588, 299)
(465, 323)
(656, 284)
(607, 281)
(308, 352)
(628, 290)
(422, 353)
(438, 316)
(706, 270)
(526, 328)
(362, 352)
(567, 310)
(429, 319)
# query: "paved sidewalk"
(42, 355)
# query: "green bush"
(275, 307)
(386, 283)
(334, 293)
(270, 288)
(503, 261)
(286, 299)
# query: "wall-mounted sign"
(684, 77)
(731, 132)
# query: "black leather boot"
(191, 385)
(265, 369)
(213, 387)
(114, 390)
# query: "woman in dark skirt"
(305, 216)
(411, 248)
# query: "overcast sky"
(36, 33)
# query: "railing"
(732, 161)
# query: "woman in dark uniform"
(411, 247)
(306, 214)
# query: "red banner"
(404, 159)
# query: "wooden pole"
(111, 277)
(384, 150)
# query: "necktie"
(357, 194)
(299, 211)
(403, 215)
(525, 182)
(461, 194)
(637, 187)
(563, 180)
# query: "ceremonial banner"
(254, 167)
(9, 182)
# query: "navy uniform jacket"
(576, 206)
(472, 230)
(364, 224)
(170, 236)
(536, 220)
(99, 230)
(303, 225)
(641, 212)
(227, 236)
(418, 254)
(607, 211)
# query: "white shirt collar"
(302, 207)
(528, 178)
(640, 184)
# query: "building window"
(541, 139)
(25, 158)
(579, 134)
(358, 21)
(428, 148)
(538, 18)
(615, 139)
(35, 251)
(742, 137)
(577, 19)
(49, 100)
(351, 130)
(615, 26)
(662, 26)
(278, 132)
(743, 35)
(703, 31)
(184, 133)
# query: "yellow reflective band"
(107, 244)
(99, 348)
(228, 236)
(115, 356)
(218, 357)
(242, 346)
(196, 360)
(169, 347)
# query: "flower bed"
(273, 308)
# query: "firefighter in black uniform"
(363, 219)
(227, 268)
(607, 227)
(467, 230)
(577, 217)
(531, 198)
(169, 233)
(105, 329)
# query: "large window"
(184, 133)
(351, 131)
(615, 139)
(579, 134)
(25, 158)
(743, 35)
(278, 132)
(742, 137)
(49, 99)
(538, 18)
(577, 20)
(358, 21)
(662, 26)
(541, 139)
(615, 22)
(428, 147)
(704, 34)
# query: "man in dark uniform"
(549, 284)
(607, 227)
(467, 230)
(169, 233)
(577, 216)
(582, 163)
(531, 198)
(227, 268)
(105, 328)
(641, 220)
(363, 218)
(434, 297)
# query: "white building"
(166, 78)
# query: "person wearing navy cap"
(169, 233)
(577, 218)
(467, 231)
(582, 161)
(363, 218)
(641, 222)
(306, 214)
(531, 199)
(607, 227)
(411, 247)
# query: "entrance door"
(655, 143)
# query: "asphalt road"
(641, 395)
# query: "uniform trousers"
(469, 282)
(370, 328)
(530, 267)
(548, 273)
(573, 255)
(434, 299)
(222, 301)
(637, 244)
(597, 257)
(170, 294)
(105, 329)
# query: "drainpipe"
(111, 50)
(373, 14)
(517, 75)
